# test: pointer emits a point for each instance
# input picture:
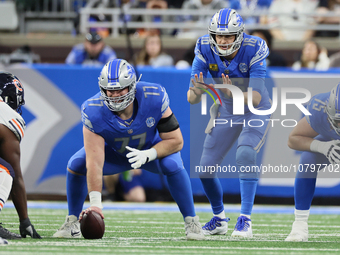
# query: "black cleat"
(6, 234)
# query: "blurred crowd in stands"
(283, 20)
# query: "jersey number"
(125, 141)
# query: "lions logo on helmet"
(11, 91)
(116, 75)
(226, 22)
(333, 108)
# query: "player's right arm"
(95, 155)
(302, 139)
(301, 136)
(198, 72)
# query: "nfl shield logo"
(130, 131)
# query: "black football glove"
(26, 228)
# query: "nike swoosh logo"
(74, 233)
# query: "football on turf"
(92, 225)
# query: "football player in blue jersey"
(318, 136)
(231, 57)
(128, 124)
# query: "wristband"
(315, 146)
(151, 154)
(96, 199)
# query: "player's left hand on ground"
(26, 228)
(137, 158)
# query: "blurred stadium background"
(37, 35)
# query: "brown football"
(92, 225)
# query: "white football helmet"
(117, 74)
(226, 22)
(333, 108)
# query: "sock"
(214, 193)
(246, 157)
(221, 215)
(247, 215)
(76, 193)
(301, 215)
(180, 189)
(303, 192)
(248, 190)
(6, 181)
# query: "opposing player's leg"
(6, 180)
(250, 142)
(180, 189)
(214, 150)
(304, 188)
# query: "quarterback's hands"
(226, 80)
(26, 228)
(330, 149)
(137, 158)
(197, 84)
(91, 208)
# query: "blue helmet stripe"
(223, 18)
(113, 70)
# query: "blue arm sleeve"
(198, 66)
(257, 76)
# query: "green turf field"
(162, 232)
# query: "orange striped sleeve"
(18, 125)
(4, 168)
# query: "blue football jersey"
(319, 119)
(249, 62)
(140, 130)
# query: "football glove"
(26, 228)
(137, 158)
(330, 149)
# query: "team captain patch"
(213, 67)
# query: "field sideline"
(158, 228)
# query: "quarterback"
(231, 57)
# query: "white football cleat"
(216, 226)
(299, 232)
(243, 228)
(193, 228)
(70, 229)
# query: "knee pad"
(245, 156)
(246, 162)
(171, 164)
(77, 163)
